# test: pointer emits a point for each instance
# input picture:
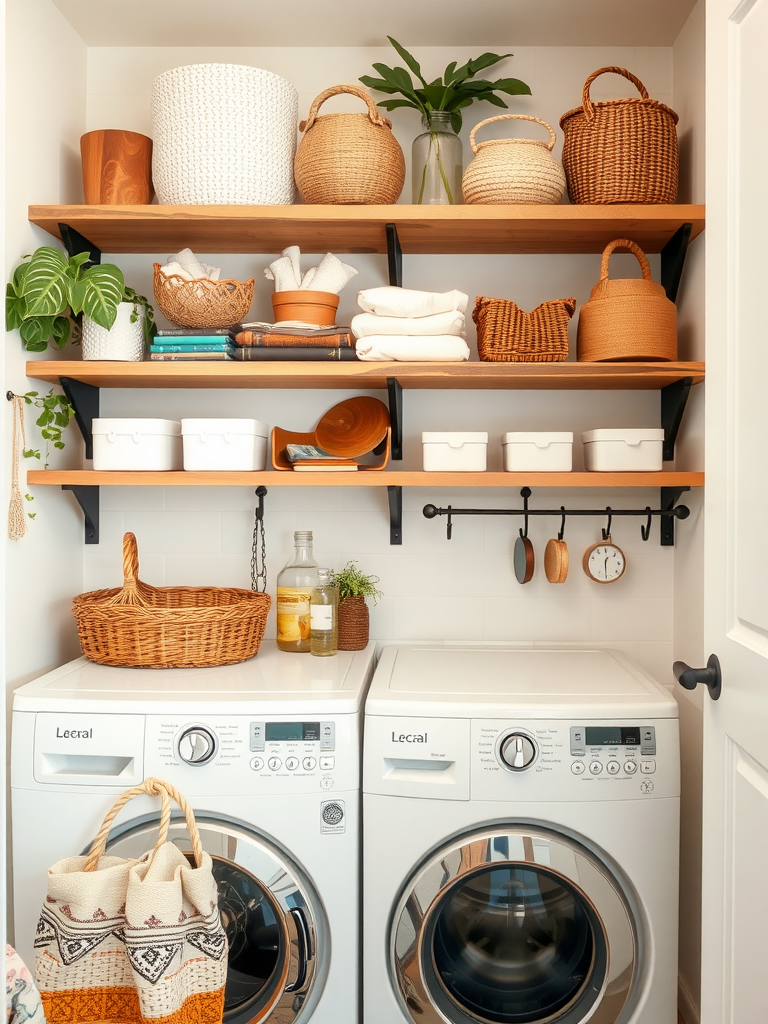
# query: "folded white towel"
(331, 275)
(193, 267)
(441, 348)
(365, 324)
(391, 301)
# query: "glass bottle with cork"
(324, 616)
(294, 591)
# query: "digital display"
(612, 736)
(277, 732)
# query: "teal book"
(210, 346)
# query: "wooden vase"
(117, 168)
(354, 624)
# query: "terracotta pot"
(117, 168)
(309, 307)
(354, 624)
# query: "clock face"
(604, 563)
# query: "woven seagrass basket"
(627, 318)
(348, 158)
(201, 303)
(354, 623)
(507, 334)
(139, 626)
(620, 151)
(513, 170)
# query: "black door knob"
(710, 676)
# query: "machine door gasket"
(515, 924)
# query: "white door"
(735, 868)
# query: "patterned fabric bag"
(133, 941)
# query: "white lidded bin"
(623, 451)
(538, 452)
(224, 444)
(455, 451)
(133, 443)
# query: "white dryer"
(521, 834)
(268, 755)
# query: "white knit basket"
(124, 341)
(223, 134)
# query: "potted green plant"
(52, 297)
(354, 623)
(437, 153)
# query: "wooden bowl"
(353, 428)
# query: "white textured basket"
(123, 342)
(223, 134)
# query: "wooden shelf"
(387, 478)
(361, 229)
(422, 376)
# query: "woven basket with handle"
(620, 151)
(507, 334)
(348, 158)
(140, 626)
(627, 318)
(513, 170)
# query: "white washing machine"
(267, 753)
(521, 832)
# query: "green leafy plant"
(49, 294)
(354, 583)
(56, 412)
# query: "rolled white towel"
(331, 275)
(282, 273)
(365, 324)
(391, 301)
(440, 348)
(194, 267)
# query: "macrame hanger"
(17, 520)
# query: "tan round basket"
(627, 319)
(354, 624)
(507, 334)
(620, 151)
(201, 303)
(348, 158)
(139, 626)
(513, 170)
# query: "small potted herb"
(354, 623)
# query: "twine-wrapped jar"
(513, 170)
(354, 623)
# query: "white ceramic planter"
(123, 342)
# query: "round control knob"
(517, 751)
(196, 744)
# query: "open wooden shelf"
(351, 229)
(387, 478)
(424, 376)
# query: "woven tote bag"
(620, 151)
(627, 318)
(507, 334)
(223, 134)
(133, 941)
(348, 158)
(513, 170)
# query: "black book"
(295, 354)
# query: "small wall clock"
(604, 562)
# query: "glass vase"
(437, 162)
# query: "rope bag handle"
(514, 117)
(586, 100)
(151, 787)
(625, 245)
(336, 90)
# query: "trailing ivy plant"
(55, 413)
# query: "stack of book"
(196, 343)
(259, 341)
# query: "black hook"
(449, 525)
(525, 493)
(261, 492)
(607, 529)
(9, 396)
(645, 531)
(561, 532)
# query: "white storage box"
(142, 444)
(455, 451)
(224, 444)
(622, 451)
(539, 452)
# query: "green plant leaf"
(30, 497)
(61, 330)
(393, 104)
(485, 60)
(32, 515)
(409, 59)
(512, 87)
(15, 308)
(30, 453)
(495, 100)
(35, 332)
(456, 120)
(77, 261)
(449, 72)
(398, 78)
(377, 83)
(18, 277)
(438, 96)
(105, 284)
(46, 282)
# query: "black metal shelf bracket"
(395, 495)
(395, 389)
(88, 499)
(76, 243)
(673, 260)
(673, 401)
(85, 400)
(394, 256)
(669, 498)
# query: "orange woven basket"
(201, 302)
(620, 151)
(139, 626)
(507, 334)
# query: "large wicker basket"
(507, 334)
(620, 151)
(139, 626)
(201, 302)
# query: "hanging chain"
(259, 550)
